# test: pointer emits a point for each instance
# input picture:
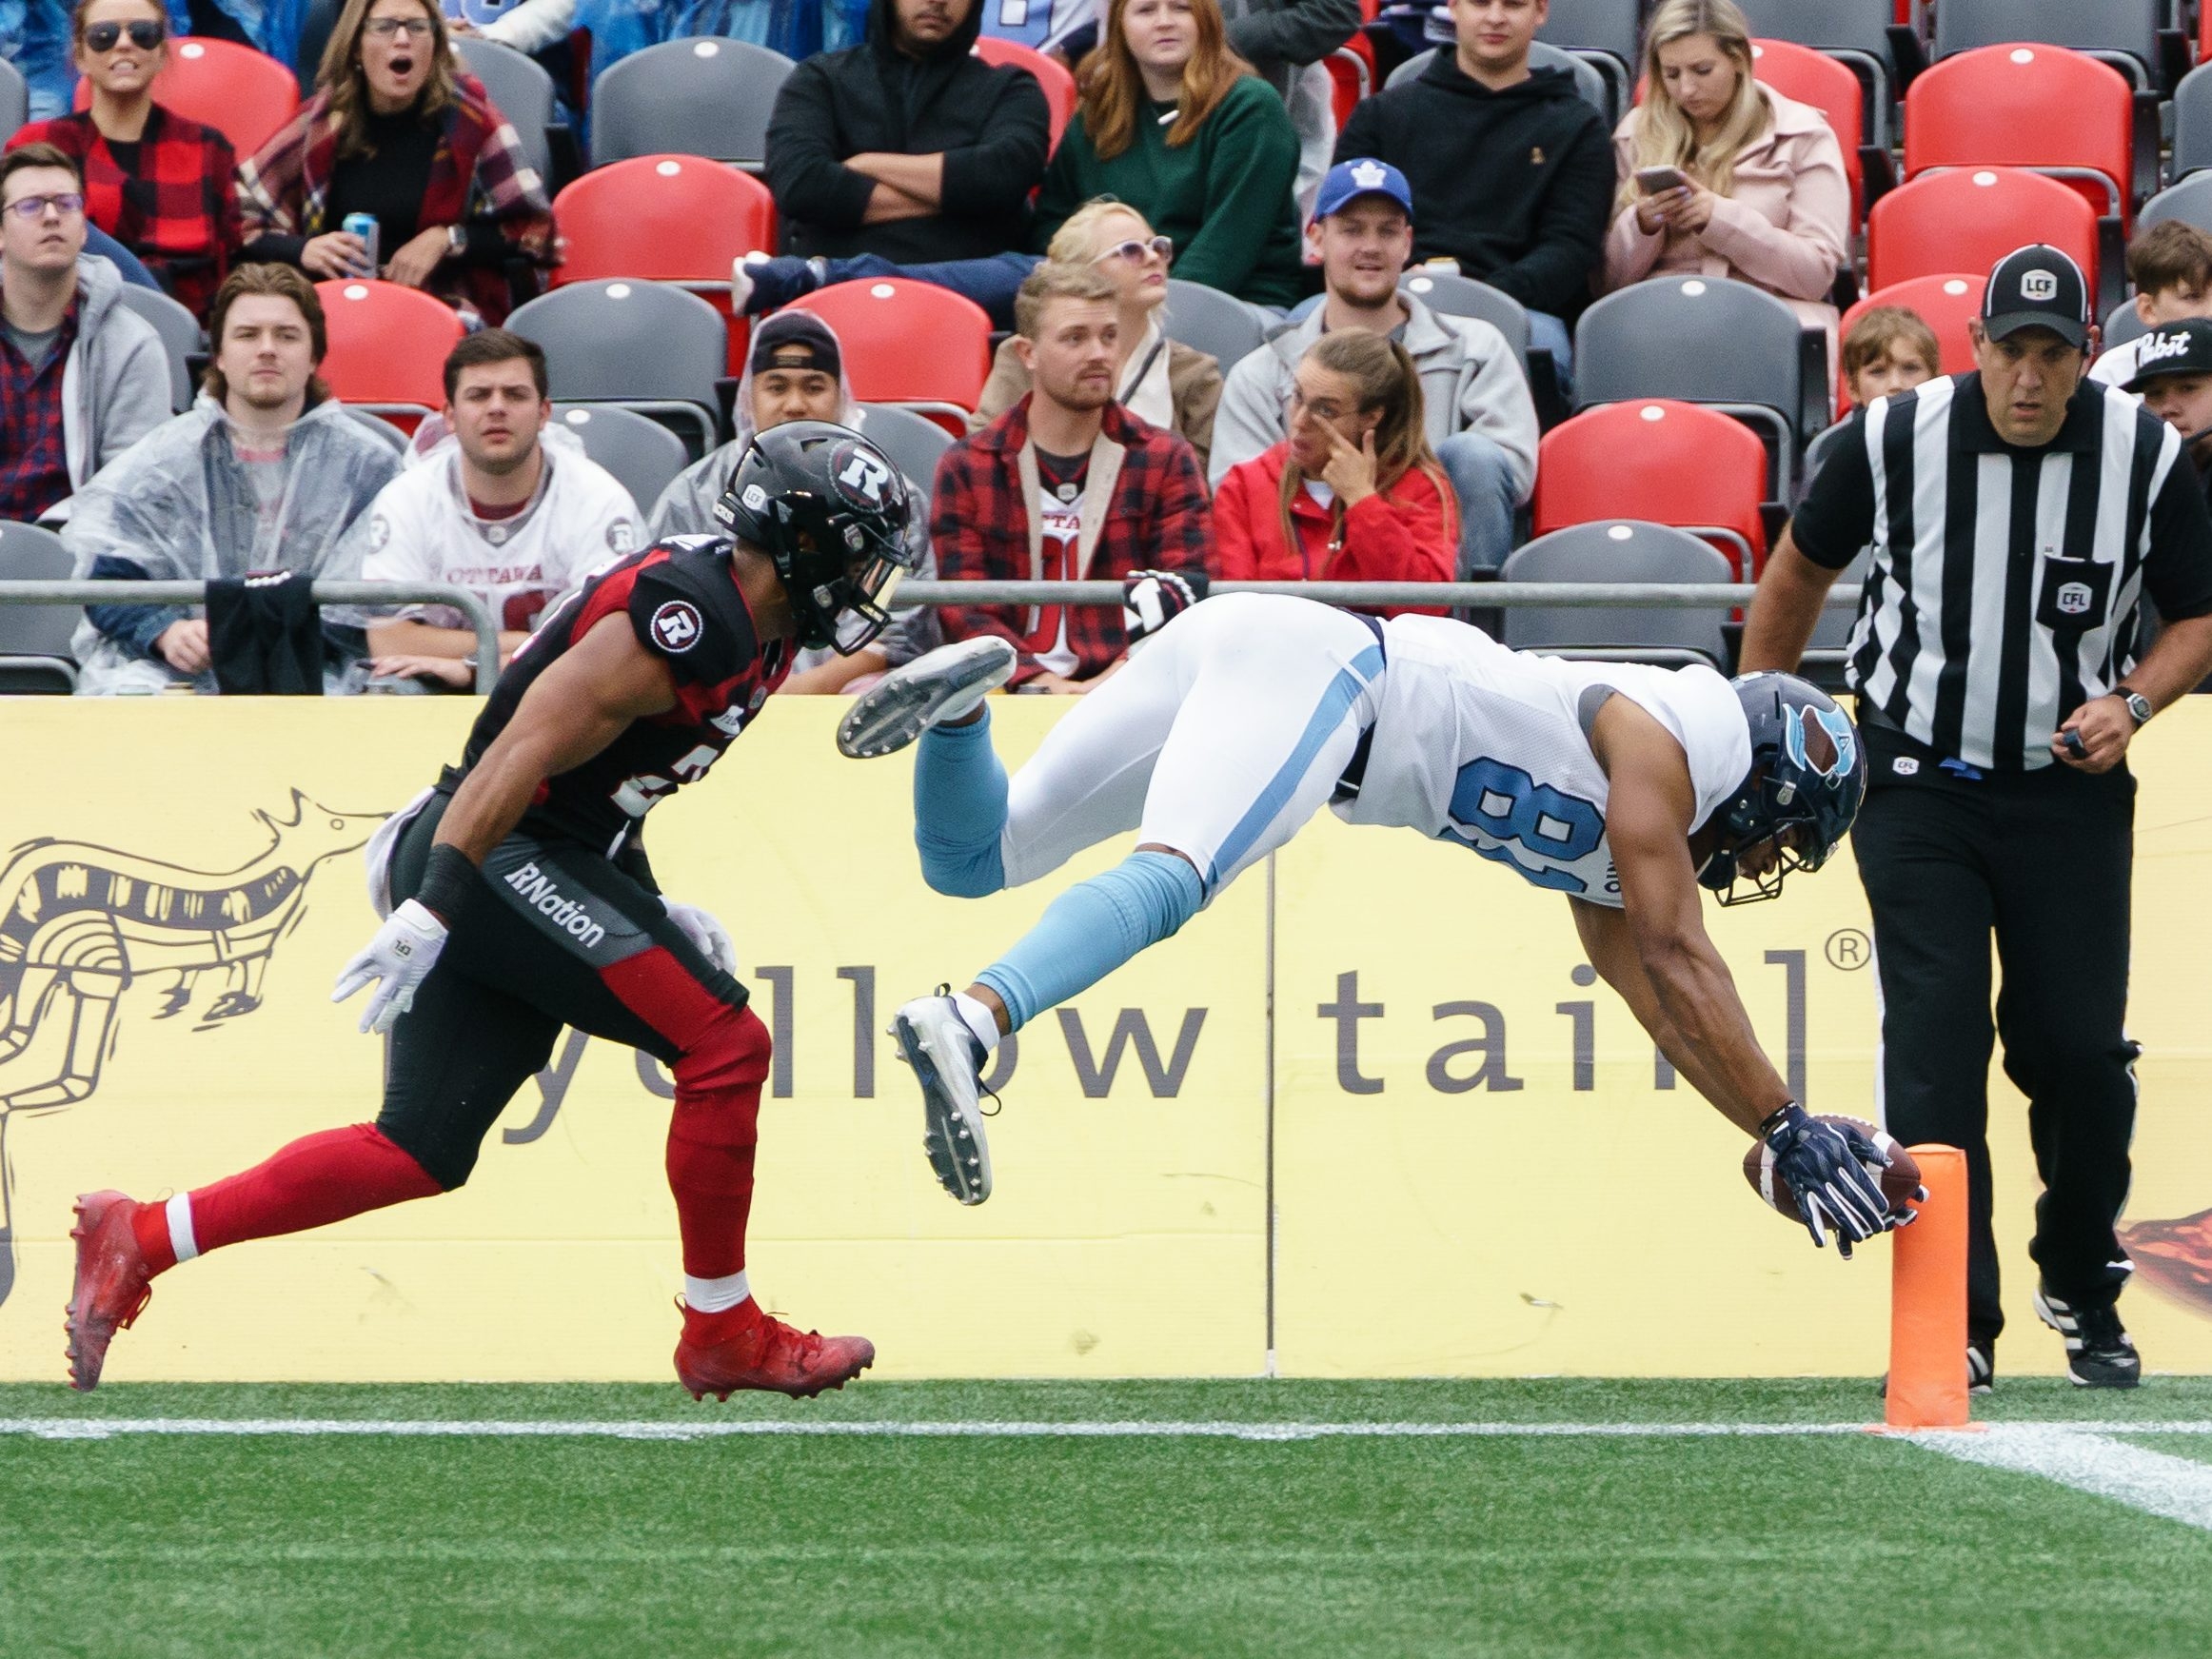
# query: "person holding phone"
(1725, 177)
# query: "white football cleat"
(946, 1060)
(938, 687)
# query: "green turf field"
(1108, 1542)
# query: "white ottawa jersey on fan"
(1485, 746)
(421, 528)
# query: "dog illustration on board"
(80, 924)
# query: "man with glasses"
(82, 377)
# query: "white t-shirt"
(1484, 746)
(422, 528)
(1060, 533)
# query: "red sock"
(712, 1180)
(316, 1180)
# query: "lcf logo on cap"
(2037, 287)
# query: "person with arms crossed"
(518, 900)
(1626, 788)
(2018, 517)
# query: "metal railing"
(358, 593)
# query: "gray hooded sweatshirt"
(115, 384)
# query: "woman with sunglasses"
(395, 133)
(1161, 382)
(157, 183)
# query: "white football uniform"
(421, 528)
(1222, 737)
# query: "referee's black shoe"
(2100, 1352)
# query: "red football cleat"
(112, 1286)
(721, 1353)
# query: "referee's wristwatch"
(2139, 706)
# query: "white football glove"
(397, 960)
(703, 931)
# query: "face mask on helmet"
(1807, 778)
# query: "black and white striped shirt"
(2005, 583)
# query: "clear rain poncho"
(180, 507)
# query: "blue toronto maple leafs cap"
(1348, 180)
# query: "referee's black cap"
(2037, 287)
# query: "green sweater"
(1226, 197)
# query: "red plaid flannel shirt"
(34, 461)
(178, 212)
(1158, 519)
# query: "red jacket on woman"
(1407, 533)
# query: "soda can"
(364, 226)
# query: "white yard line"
(2088, 1460)
(105, 1428)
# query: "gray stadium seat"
(1596, 91)
(14, 98)
(910, 442)
(2189, 201)
(2124, 33)
(1706, 340)
(1857, 33)
(1833, 631)
(1455, 295)
(2193, 122)
(2121, 325)
(35, 640)
(644, 455)
(650, 346)
(710, 96)
(1605, 35)
(385, 431)
(1619, 550)
(524, 93)
(180, 337)
(1208, 319)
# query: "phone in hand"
(1652, 181)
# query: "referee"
(2016, 518)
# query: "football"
(1899, 1181)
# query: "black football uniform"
(567, 927)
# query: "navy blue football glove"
(1153, 598)
(1826, 1166)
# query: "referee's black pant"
(2043, 861)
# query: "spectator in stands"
(2174, 380)
(1163, 382)
(82, 376)
(1511, 169)
(796, 372)
(157, 183)
(907, 146)
(1355, 493)
(1764, 198)
(506, 506)
(265, 472)
(1065, 485)
(392, 132)
(1176, 124)
(1889, 348)
(1480, 422)
(2170, 268)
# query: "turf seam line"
(2089, 1460)
(105, 1428)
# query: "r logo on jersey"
(676, 626)
(861, 477)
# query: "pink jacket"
(1784, 229)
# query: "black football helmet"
(829, 508)
(1807, 776)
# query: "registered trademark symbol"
(1849, 949)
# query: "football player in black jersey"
(524, 903)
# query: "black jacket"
(991, 123)
(1517, 186)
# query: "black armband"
(1776, 1118)
(448, 878)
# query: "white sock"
(716, 1295)
(181, 1239)
(980, 1020)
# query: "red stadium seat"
(909, 342)
(1059, 87)
(2039, 107)
(1351, 78)
(668, 218)
(1946, 303)
(388, 345)
(1811, 77)
(1660, 461)
(1948, 221)
(242, 94)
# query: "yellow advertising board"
(1475, 1164)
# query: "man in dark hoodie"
(1513, 173)
(905, 146)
